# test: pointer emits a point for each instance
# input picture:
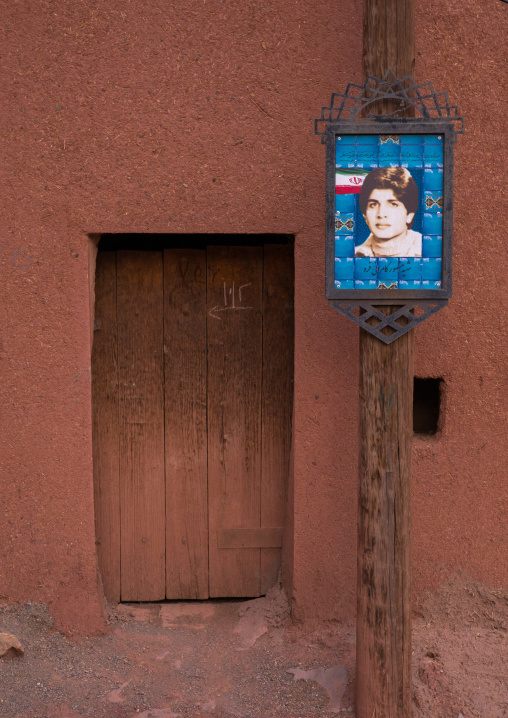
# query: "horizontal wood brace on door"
(250, 538)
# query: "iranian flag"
(349, 181)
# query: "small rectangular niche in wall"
(426, 405)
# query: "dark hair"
(399, 180)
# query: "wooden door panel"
(277, 399)
(234, 325)
(185, 423)
(141, 425)
(105, 426)
(192, 405)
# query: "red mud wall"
(198, 117)
(460, 497)
(460, 487)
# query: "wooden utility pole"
(383, 665)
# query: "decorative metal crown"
(354, 103)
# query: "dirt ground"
(247, 659)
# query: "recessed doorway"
(192, 388)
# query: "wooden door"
(235, 335)
(185, 444)
(192, 398)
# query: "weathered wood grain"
(105, 426)
(234, 413)
(265, 538)
(384, 533)
(155, 448)
(383, 663)
(388, 37)
(277, 398)
(141, 425)
(185, 370)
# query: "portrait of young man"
(389, 201)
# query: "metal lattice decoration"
(355, 102)
(388, 327)
(388, 270)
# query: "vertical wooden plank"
(234, 413)
(277, 399)
(388, 38)
(185, 424)
(383, 657)
(105, 425)
(141, 425)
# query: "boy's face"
(386, 216)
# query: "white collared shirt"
(408, 246)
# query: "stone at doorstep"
(10, 646)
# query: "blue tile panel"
(412, 139)
(366, 284)
(431, 268)
(433, 180)
(345, 203)
(344, 268)
(365, 268)
(367, 157)
(389, 154)
(411, 156)
(345, 151)
(410, 268)
(408, 150)
(433, 156)
(372, 140)
(423, 156)
(434, 140)
(433, 201)
(432, 223)
(344, 222)
(427, 284)
(344, 284)
(388, 270)
(432, 246)
(345, 246)
(409, 284)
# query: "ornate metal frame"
(335, 129)
(349, 113)
(388, 327)
(354, 104)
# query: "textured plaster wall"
(460, 476)
(146, 117)
(460, 487)
(198, 117)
